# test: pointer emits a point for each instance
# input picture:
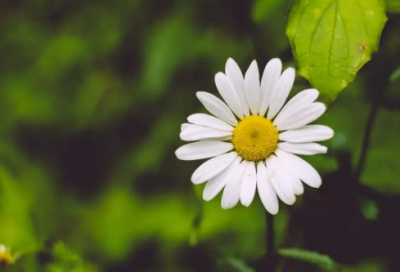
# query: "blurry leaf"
(66, 260)
(382, 170)
(170, 45)
(318, 259)
(95, 98)
(262, 9)
(331, 40)
(74, 51)
(16, 229)
(369, 209)
(395, 75)
(236, 265)
(164, 217)
(366, 266)
(393, 6)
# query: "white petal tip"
(275, 61)
(289, 74)
(199, 94)
(331, 132)
(228, 205)
(290, 203)
(230, 60)
(312, 92)
(194, 180)
(177, 153)
(290, 70)
(274, 212)
(219, 76)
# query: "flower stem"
(269, 235)
(367, 136)
(369, 126)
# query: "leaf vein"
(332, 38)
(347, 41)
(317, 27)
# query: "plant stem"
(269, 235)
(367, 133)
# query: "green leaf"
(395, 75)
(17, 230)
(320, 260)
(332, 39)
(66, 260)
(382, 167)
(236, 265)
(369, 209)
(393, 6)
(263, 9)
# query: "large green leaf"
(332, 39)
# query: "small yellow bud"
(5, 257)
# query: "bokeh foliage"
(92, 95)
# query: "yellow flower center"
(255, 138)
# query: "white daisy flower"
(253, 137)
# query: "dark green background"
(92, 95)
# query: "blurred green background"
(92, 95)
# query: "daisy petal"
(269, 79)
(215, 185)
(266, 191)
(310, 133)
(301, 168)
(206, 120)
(303, 148)
(300, 100)
(202, 150)
(249, 183)
(184, 126)
(231, 194)
(302, 116)
(303, 97)
(293, 180)
(195, 132)
(281, 92)
(228, 93)
(297, 186)
(235, 75)
(252, 86)
(280, 180)
(219, 139)
(212, 167)
(216, 107)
